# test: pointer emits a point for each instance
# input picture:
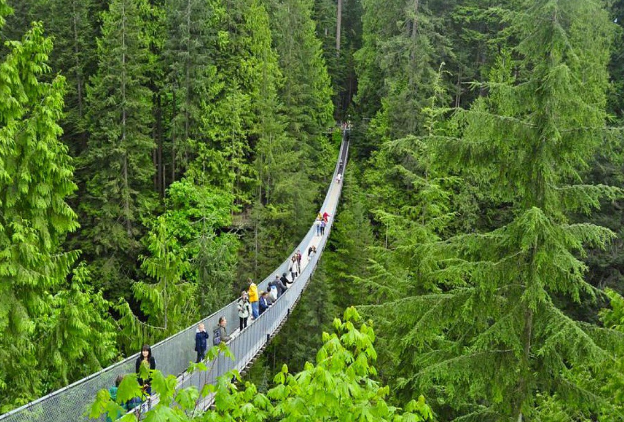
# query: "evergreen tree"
(167, 302)
(493, 340)
(350, 246)
(306, 92)
(73, 26)
(274, 214)
(35, 174)
(118, 164)
(192, 81)
(48, 329)
(402, 50)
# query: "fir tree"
(493, 339)
(72, 24)
(306, 92)
(118, 164)
(192, 81)
(35, 174)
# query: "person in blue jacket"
(201, 342)
(264, 303)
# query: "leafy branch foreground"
(340, 387)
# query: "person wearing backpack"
(220, 333)
(113, 394)
(244, 310)
(273, 292)
(279, 284)
(201, 342)
(253, 298)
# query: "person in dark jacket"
(201, 343)
(281, 287)
(264, 302)
(285, 279)
(146, 359)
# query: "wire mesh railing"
(173, 354)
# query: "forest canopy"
(154, 154)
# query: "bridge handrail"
(174, 353)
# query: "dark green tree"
(189, 54)
(493, 340)
(117, 163)
(306, 91)
(73, 25)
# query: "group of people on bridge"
(250, 305)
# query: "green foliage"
(488, 335)
(192, 80)
(80, 335)
(167, 302)
(48, 326)
(195, 215)
(339, 387)
(117, 194)
(402, 50)
(74, 30)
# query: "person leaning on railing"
(223, 330)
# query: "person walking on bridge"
(253, 298)
(294, 267)
(244, 310)
(222, 331)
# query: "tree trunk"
(126, 184)
(338, 27)
(78, 64)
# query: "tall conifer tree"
(189, 55)
(118, 164)
(494, 342)
(306, 92)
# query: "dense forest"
(156, 153)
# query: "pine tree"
(494, 341)
(402, 50)
(118, 164)
(166, 302)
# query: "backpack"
(274, 292)
(216, 336)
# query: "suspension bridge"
(174, 353)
